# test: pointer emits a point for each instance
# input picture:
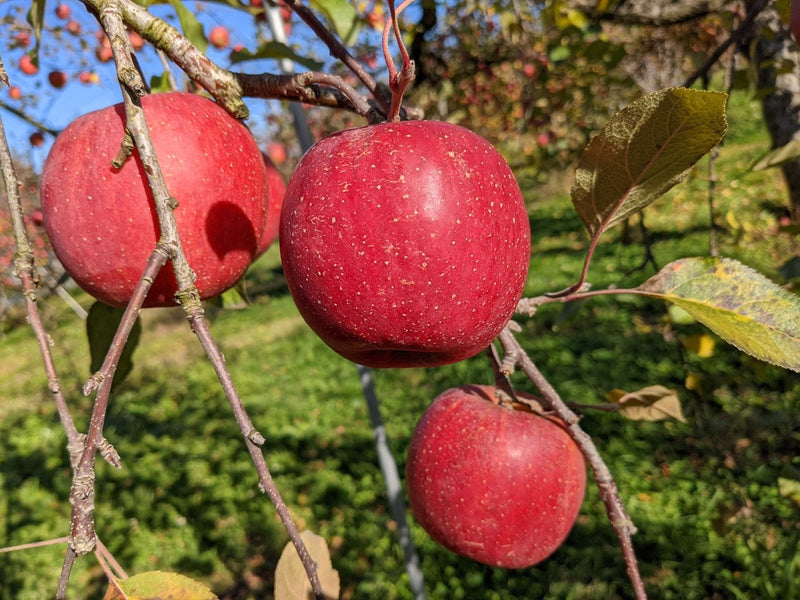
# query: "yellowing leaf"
(693, 382)
(653, 403)
(737, 303)
(643, 151)
(701, 344)
(614, 395)
(291, 580)
(159, 585)
(789, 488)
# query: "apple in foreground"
(101, 220)
(405, 244)
(495, 484)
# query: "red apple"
(101, 220)
(276, 152)
(219, 37)
(277, 192)
(375, 19)
(405, 244)
(22, 39)
(88, 77)
(63, 11)
(36, 139)
(58, 79)
(543, 139)
(495, 484)
(529, 69)
(73, 27)
(26, 65)
(136, 40)
(37, 217)
(14, 92)
(103, 53)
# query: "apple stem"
(617, 515)
(398, 81)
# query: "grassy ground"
(704, 495)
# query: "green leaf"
(191, 27)
(159, 585)
(777, 157)
(35, 17)
(645, 150)
(101, 325)
(653, 403)
(341, 16)
(276, 50)
(160, 83)
(737, 303)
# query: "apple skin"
(405, 244)
(491, 483)
(277, 192)
(102, 221)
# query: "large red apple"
(492, 483)
(101, 220)
(405, 244)
(277, 192)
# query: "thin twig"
(24, 264)
(83, 537)
(253, 440)
(340, 52)
(736, 35)
(169, 246)
(31, 545)
(28, 119)
(620, 521)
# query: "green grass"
(704, 495)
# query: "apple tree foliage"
(559, 71)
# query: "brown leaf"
(291, 581)
(653, 403)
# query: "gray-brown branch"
(618, 516)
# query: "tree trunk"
(777, 64)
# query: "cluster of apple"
(403, 244)
(56, 78)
